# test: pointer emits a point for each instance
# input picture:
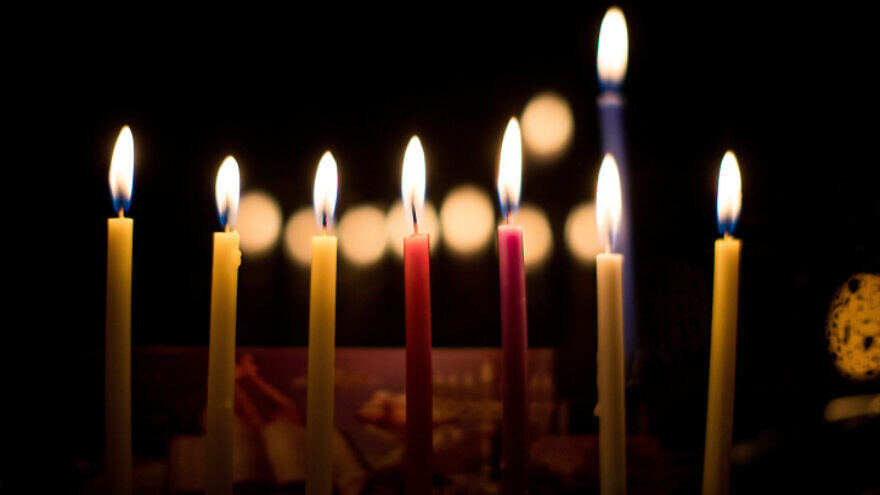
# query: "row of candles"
(319, 415)
(614, 300)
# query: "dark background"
(790, 91)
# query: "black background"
(790, 91)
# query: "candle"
(514, 331)
(609, 294)
(221, 349)
(611, 62)
(117, 367)
(722, 363)
(417, 285)
(322, 336)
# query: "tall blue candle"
(611, 68)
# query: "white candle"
(611, 408)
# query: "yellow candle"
(117, 367)
(221, 350)
(322, 337)
(611, 408)
(722, 364)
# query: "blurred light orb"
(853, 327)
(547, 125)
(581, 235)
(397, 226)
(537, 235)
(362, 235)
(298, 233)
(259, 223)
(467, 219)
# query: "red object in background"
(514, 348)
(419, 433)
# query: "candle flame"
(412, 182)
(510, 169)
(613, 49)
(326, 186)
(729, 194)
(122, 170)
(608, 203)
(227, 190)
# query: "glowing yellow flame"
(326, 186)
(608, 203)
(412, 181)
(729, 193)
(613, 48)
(227, 190)
(510, 168)
(122, 169)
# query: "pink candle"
(514, 332)
(417, 285)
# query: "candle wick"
(120, 213)
(726, 235)
(415, 217)
(509, 218)
(226, 228)
(324, 230)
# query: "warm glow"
(226, 190)
(398, 225)
(510, 169)
(581, 235)
(729, 194)
(412, 181)
(613, 48)
(326, 186)
(467, 219)
(608, 203)
(362, 234)
(537, 235)
(122, 170)
(298, 233)
(259, 222)
(547, 126)
(853, 327)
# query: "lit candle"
(322, 336)
(221, 348)
(609, 294)
(514, 330)
(722, 363)
(611, 62)
(117, 367)
(417, 285)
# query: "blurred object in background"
(467, 218)
(547, 127)
(259, 223)
(362, 235)
(853, 327)
(298, 233)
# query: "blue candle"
(611, 68)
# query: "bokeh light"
(581, 234)
(853, 327)
(259, 223)
(362, 234)
(537, 235)
(298, 233)
(547, 126)
(467, 219)
(397, 226)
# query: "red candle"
(514, 332)
(417, 285)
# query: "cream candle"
(322, 336)
(117, 357)
(722, 357)
(609, 294)
(221, 348)
(514, 325)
